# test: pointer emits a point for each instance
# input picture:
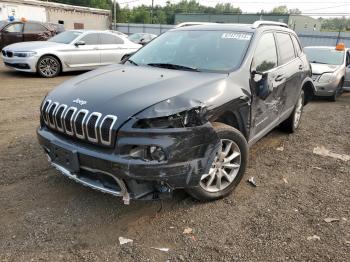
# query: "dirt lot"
(44, 216)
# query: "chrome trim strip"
(45, 113)
(61, 118)
(94, 184)
(70, 120)
(104, 142)
(91, 139)
(86, 112)
(52, 124)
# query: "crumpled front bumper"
(189, 153)
(325, 89)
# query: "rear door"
(266, 85)
(12, 33)
(35, 32)
(88, 55)
(291, 67)
(112, 48)
(347, 72)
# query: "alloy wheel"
(48, 67)
(298, 111)
(224, 169)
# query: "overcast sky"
(316, 7)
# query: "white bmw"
(68, 51)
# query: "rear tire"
(227, 168)
(48, 66)
(293, 121)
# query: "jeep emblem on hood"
(80, 102)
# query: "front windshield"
(324, 56)
(215, 51)
(2, 24)
(65, 37)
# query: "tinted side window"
(265, 56)
(285, 45)
(91, 39)
(14, 28)
(33, 27)
(108, 39)
(296, 45)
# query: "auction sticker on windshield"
(238, 36)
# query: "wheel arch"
(309, 89)
(237, 119)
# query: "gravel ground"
(46, 217)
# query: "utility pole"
(115, 14)
(152, 12)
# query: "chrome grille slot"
(106, 127)
(68, 120)
(79, 123)
(59, 117)
(44, 111)
(91, 127)
(51, 114)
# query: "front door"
(347, 70)
(12, 33)
(267, 82)
(86, 56)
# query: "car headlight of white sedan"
(326, 78)
(24, 54)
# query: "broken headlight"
(188, 118)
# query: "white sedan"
(68, 51)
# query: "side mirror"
(79, 43)
(258, 73)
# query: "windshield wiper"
(174, 66)
(132, 62)
(317, 62)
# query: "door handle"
(279, 78)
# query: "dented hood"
(125, 90)
(322, 68)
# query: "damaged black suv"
(178, 114)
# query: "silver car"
(69, 51)
(330, 69)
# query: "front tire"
(227, 168)
(293, 121)
(48, 66)
(337, 92)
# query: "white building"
(72, 17)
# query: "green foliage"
(335, 24)
(283, 10)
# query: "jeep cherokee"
(180, 113)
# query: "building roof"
(59, 6)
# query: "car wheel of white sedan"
(48, 66)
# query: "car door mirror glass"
(79, 43)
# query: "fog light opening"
(156, 153)
(148, 153)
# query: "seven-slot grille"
(79, 123)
